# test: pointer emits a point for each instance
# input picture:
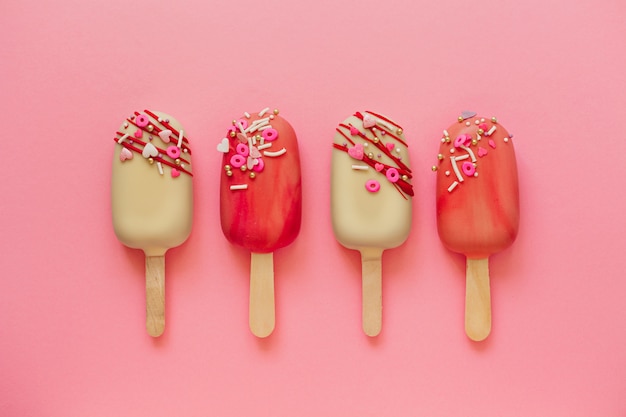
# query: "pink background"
(72, 338)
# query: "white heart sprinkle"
(149, 151)
(254, 152)
(223, 146)
(165, 135)
(125, 154)
(368, 121)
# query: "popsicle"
(371, 195)
(477, 205)
(152, 197)
(260, 200)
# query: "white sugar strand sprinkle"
(452, 186)
(246, 115)
(264, 146)
(456, 169)
(239, 187)
(120, 140)
(160, 166)
(469, 151)
(262, 112)
(360, 167)
(277, 153)
(493, 129)
(180, 138)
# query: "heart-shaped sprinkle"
(175, 173)
(492, 143)
(379, 167)
(125, 154)
(368, 121)
(149, 151)
(223, 146)
(138, 133)
(482, 151)
(165, 135)
(356, 152)
(467, 114)
(354, 131)
(242, 138)
(252, 162)
(254, 152)
(389, 146)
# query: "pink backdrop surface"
(72, 337)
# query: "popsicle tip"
(477, 333)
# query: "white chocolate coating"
(151, 211)
(363, 219)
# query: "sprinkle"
(443, 140)
(262, 112)
(452, 186)
(125, 125)
(456, 169)
(246, 115)
(468, 124)
(239, 187)
(180, 138)
(372, 186)
(445, 133)
(360, 167)
(505, 140)
(447, 173)
(470, 152)
(264, 146)
(277, 153)
(120, 140)
(160, 166)
(462, 157)
(492, 143)
(490, 132)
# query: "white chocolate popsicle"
(152, 197)
(371, 195)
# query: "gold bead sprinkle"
(399, 131)
(480, 131)
(440, 157)
(252, 175)
(227, 167)
(150, 128)
(177, 161)
(494, 119)
(276, 111)
(370, 155)
(229, 173)
(474, 142)
(375, 140)
(405, 178)
(434, 168)
(460, 119)
(151, 160)
(243, 168)
(232, 134)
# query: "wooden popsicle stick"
(262, 314)
(372, 303)
(477, 299)
(155, 295)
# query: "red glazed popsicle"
(260, 200)
(477, 205)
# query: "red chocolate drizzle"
(403, 187)
(155, 131)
